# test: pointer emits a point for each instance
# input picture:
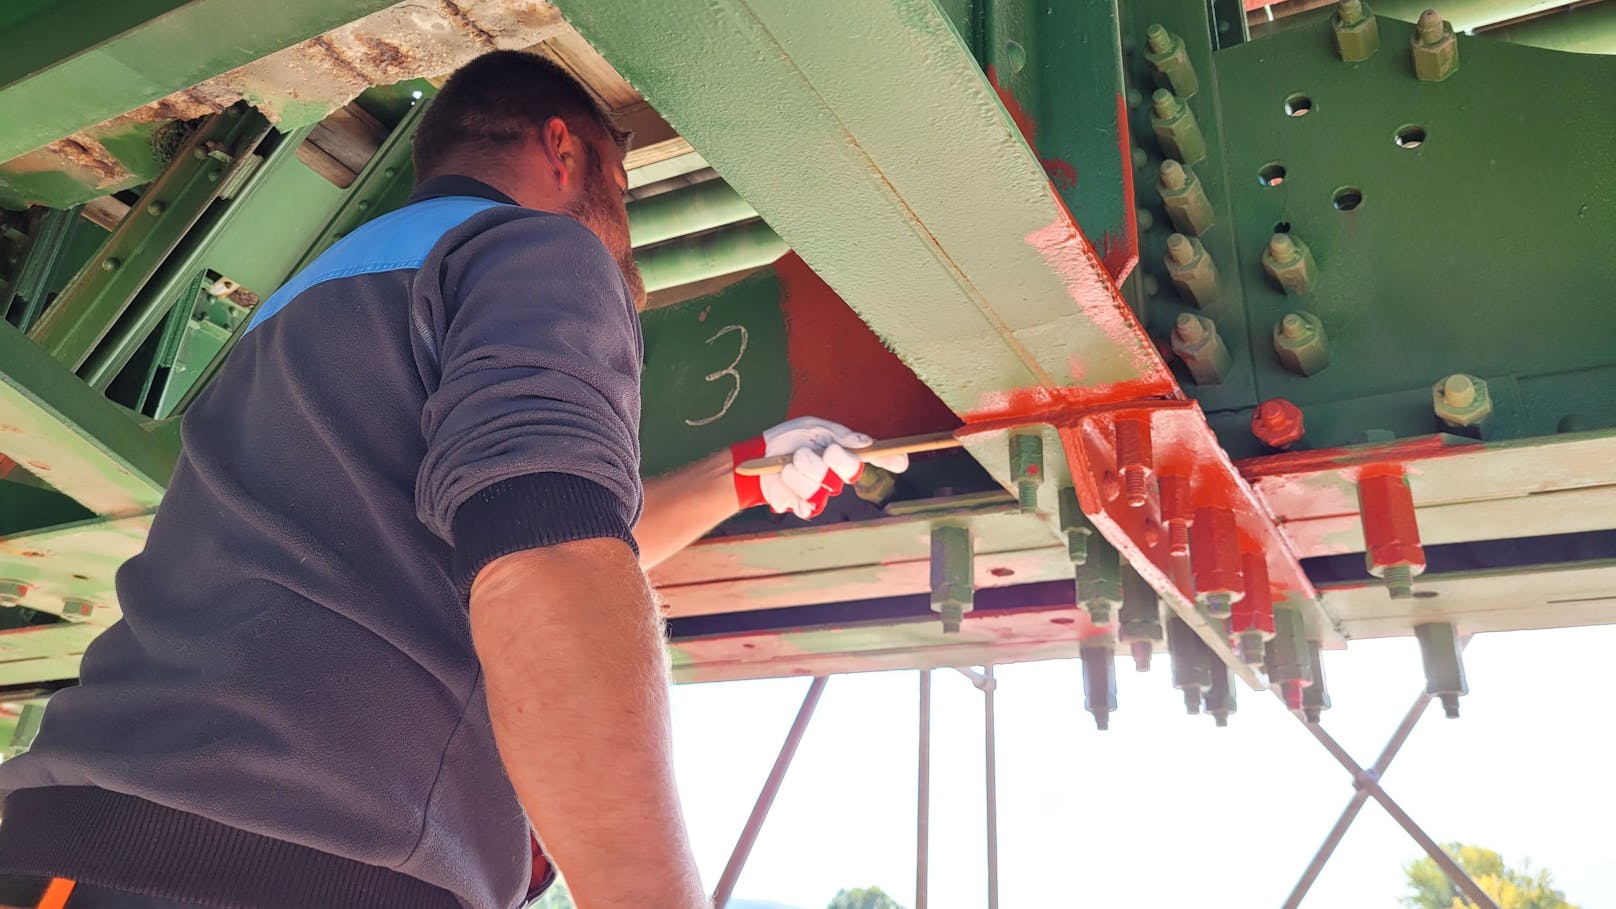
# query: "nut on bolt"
(1135, 459)
(1277, 423)
(1290, 263)
(953, 575)
(1027, 466)
(1300, 343)
(1461, 401)
(1184, 198)
(1435, 47)
(1169, 62)
(1175, 127)
(1357, 36)
(1196, 341)
(1190, 267)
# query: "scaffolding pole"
(991, 765)
(765, 799)
(923, 797)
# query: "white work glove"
(822, 463)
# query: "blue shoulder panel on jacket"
(396, 240)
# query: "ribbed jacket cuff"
(531, 512)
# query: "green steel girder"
(73, 438)
(685, 211)
(71, 64)
(177, 276)
(88, 307)
(24, 297)
(924, 207)
(722, 252)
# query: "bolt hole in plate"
(1001, 572)
(1282, 227)
(1410, 136)
(1063, 620)
(1347, 198)
(81, 577)
(1271, 174)
(1298, 105)
(1424, 594)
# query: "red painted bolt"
(1293, 691)
(1251, 620)
(1216, 557)
(1277, 423)
(1175, 512)
(1391, 532)
(1134, 458)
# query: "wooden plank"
(319, 161)
(581, 59)
(652, 154)
(349, 135)
(105, 212)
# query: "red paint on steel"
(1175, 512)
(841, 371)
(1350, 461)
(1277, 423)
(1255, 610)
(1134, 459)
(1122, 253)
(1391, 532)
(1215, 553)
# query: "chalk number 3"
(729, 371)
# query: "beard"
(600, 208)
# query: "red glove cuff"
(748, 490)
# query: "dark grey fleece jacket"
(290, 713)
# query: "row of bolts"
(1230, 583)
(1460, 401)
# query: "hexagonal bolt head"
(1191, 269)
(1289, 262)
(1169, 62)
(1184, 198)
(1461, 401)
(75, 606)
(1278, 423)
(1300, 343)
(1357, 34)
(1196, 341)
(12, 593)
(1435, 48)
(1176, 129)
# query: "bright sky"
(1164, 809)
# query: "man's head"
(522, 124)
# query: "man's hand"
(572, 651)
(822, 463)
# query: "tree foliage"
(863, 898)
(1523, 888)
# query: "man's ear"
(556, 143)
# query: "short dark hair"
(491, 102)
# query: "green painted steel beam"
(1582, 30)
(711, 255)
(87, 308)
(681, 212)
(924, 207)
(73, 438)
(1466, 14)
(76, 63)
(24, 299)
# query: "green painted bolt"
(953, 575)
(213, 175)
(1197, 344)
(1176, 129)
(390, 172)
(1192, 271)
(1099, 581)
(1184, 198)
(1289, 262)
(1444, 667)
(1316, 699)
(1462, 402)
(1300, 343)
(1400, 582)
(1169, 62)
(1219, 605)
(111, 263)
(364, 205)
(76, 606)
(1356, 31)
(1027, 466)
(1249, 645)
(875, 485)
(1435, 48)
(1075, 525)
(156, 208)
(1459, 390)
(1220, 695)
(1172, 175)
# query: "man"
(390, 612)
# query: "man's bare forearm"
(577, 681)
(680, 507)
